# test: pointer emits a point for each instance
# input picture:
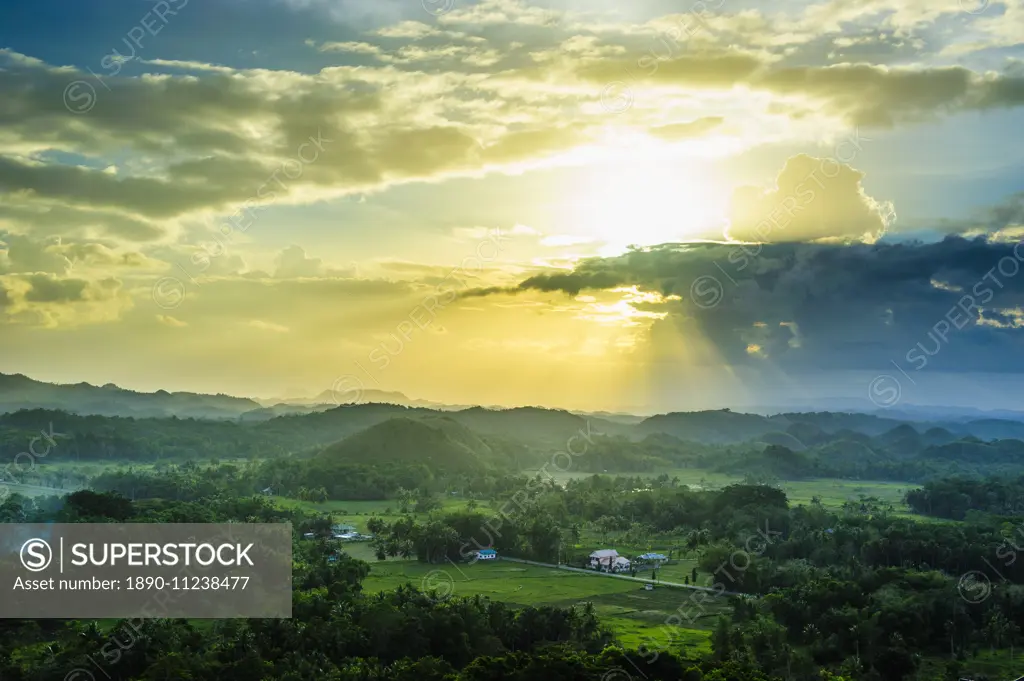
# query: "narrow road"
(596, 573)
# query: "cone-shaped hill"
(440, 443)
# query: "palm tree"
(574, 534)
(996, 629)
(375, 525)
(1012, 632)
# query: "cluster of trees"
(878, 624)
(336, 633)
(856, 591)
(902, 454)
(105, 438)
(855, 459)
(414, 485)
(955, 497)
(661, 504)
(533, 534)
(312, 493)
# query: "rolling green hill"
(439, 443)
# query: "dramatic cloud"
(292, 263)
(814, 199)
(19, 253)
(814, 307)
(861, 94)
(49, 301)
(376, 132)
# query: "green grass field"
(832, 492)
(998, 665)
(637, 617)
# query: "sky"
(582, 204)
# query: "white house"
(603, 558)
(608, 559)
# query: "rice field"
(655, 619)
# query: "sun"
(644, 204)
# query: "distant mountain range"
(915, 412)
(21, 392)
(108, 423)
(18, 392)
(336, 398)
(329, 399)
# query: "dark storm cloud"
(826, 306)
(1009, 212)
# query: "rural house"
(608, 559)
(603, 558)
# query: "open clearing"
(637, 617)
(833, 492)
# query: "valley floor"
(638, 617)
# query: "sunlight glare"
(643, 204)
